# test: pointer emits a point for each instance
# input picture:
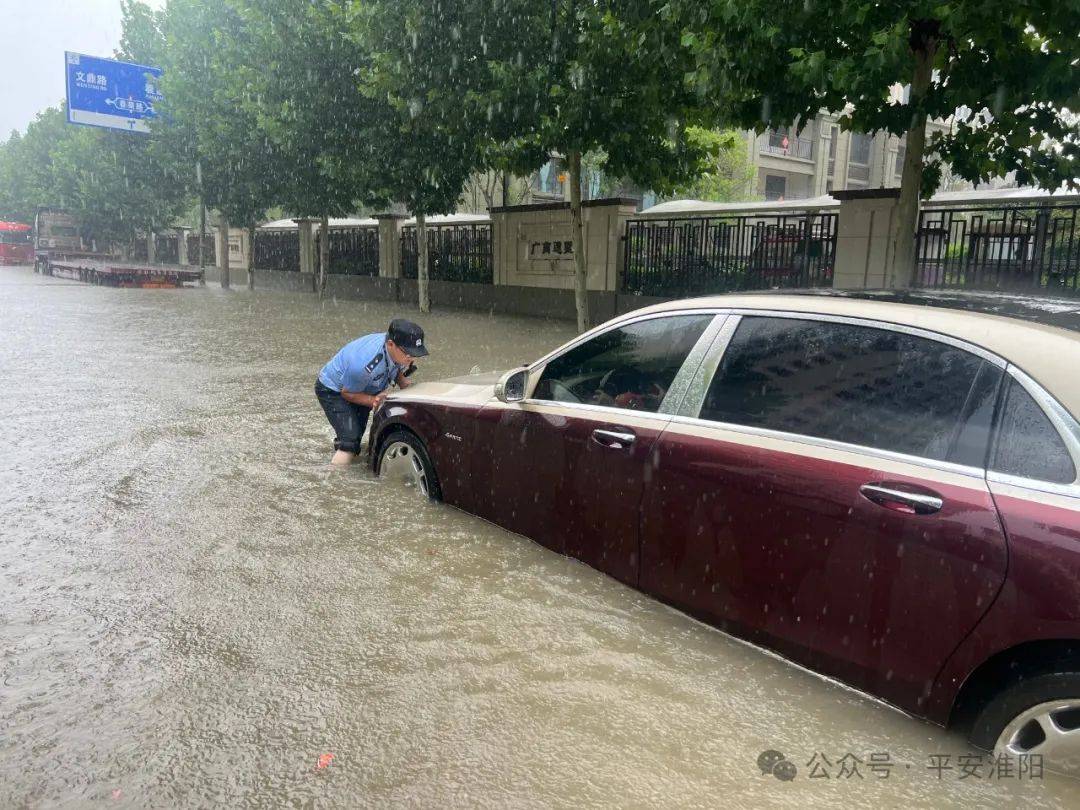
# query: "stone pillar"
(863, 237)
(390, 244)
(181, 246)
(501, 240)
(605, 223)
(221, 249)
(307, 245)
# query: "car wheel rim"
(1050, 730)
(400, 463)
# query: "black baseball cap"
(408, 336)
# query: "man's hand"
(378, 400)
(403, 382)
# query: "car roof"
(1040, 336)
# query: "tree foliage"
(519, 81)
(1005, 71)
(1010, 69)
(206, 118)
(300, 73)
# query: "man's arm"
(372, 401)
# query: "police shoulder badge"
(374, 363)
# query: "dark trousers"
(347, 420)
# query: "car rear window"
(1028, 445)
(860, 385)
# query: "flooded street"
(194, 608)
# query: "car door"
(826, 496)
(567, 466)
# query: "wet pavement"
(195, 610)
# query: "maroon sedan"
(882, 492)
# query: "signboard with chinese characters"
(111, 94)
(548, 248)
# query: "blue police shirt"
(361, 367)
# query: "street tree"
(1004, 73)
(428, 137)
(29, 178)
(206, 121)
(565, 79)
(726, 173)
(300, 72)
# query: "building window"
(549, 179)
(860, 148)
(901, 151)
(775, 187)
(828, 186)
(859, 157)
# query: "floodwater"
(195, 610)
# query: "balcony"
(779, 142)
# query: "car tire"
(1016, 721)
(402, 456)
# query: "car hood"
(476, 388)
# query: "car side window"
(628, 367)
(1028, 445)
(861, 385)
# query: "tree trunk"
(223, 250)
(505, 189)
(324, 253)
(251, 257)
(422, 263)
(906, 221)
(151, 247)
(581, 290)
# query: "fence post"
(498, 234)
(1042, 221)
(390, 244)
(307, 245)
(181, 245)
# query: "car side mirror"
(511, 385)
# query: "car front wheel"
(403, 460)
(1036, 717)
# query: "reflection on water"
(194, 609)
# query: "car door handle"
(615, 439)
(902, 500)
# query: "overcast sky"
(33, 37)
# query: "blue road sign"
(111, 94)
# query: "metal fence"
(166, 248)
(684, 256)
(455, 253)
(1027, 247)
(353, 251)
(209, 256)
(277, 250)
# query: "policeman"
(356, 381)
